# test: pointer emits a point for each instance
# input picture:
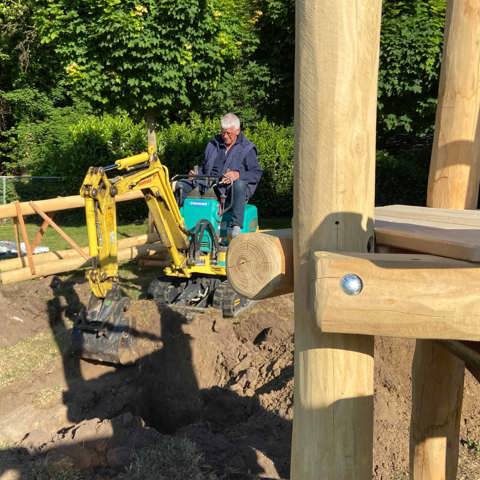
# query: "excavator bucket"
(106, 334)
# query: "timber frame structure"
(421, 278)
(29, 266)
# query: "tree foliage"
(160, 56)
(411, 49)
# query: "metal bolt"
(351, 284)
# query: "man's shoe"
(236, 230)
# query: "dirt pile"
(206, 392)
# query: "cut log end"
(259, 265)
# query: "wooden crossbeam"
(58, 204)
(66, 237)
(40, 233)
(412, 296)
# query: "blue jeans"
(236, 195)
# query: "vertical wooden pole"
(16, 233)
(454, 174)
(23, 229)
(337, 48)
(437, 375)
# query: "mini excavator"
(195, 236)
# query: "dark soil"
(224, 388)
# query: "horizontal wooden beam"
(260, 265)
(402, 295)
(76, 263)
(57, 204)
(16, 263)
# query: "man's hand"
(193, 172)
(230, 176)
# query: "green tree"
(159, 57)
(410, 55)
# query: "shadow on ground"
(181, 396)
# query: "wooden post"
(337, 47)
(260, 265)
(23, 229)
(16, 233)
(453, 183)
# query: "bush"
(183, 145)
(402, 178)
(67, 143)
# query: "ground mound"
(208, 398)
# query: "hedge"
(67, 143)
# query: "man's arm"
(253, 171)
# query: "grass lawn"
(53, 241)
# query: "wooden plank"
(15, 263)
(449, 233)
(437, 375)
(57, 204)
(75, 263)
(424, 215)
(335, 118)
(411, 296)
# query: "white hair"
(230, 120)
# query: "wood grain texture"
(452, 182)
(437, 375)
(449, 233)
(260, 265)
(337, 47)
(403, 295)
(57, 204)
(16, 263)
(75, 263)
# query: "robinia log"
(57, 204)
(437, 375)
(16, 263)
(76, 263)
(260, 265)
(398, 295)
(337, 49)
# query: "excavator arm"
(143, 172)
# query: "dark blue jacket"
(242, 157)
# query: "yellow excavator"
(195, 236)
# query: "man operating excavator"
(231, 157)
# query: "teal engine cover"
(206, 208)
